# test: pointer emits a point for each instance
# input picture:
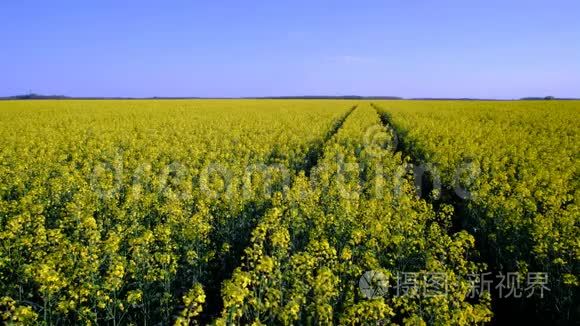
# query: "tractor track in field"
(505, 311)
(315, 153)
(223, 267)
(424, 180)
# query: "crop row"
(520, 162)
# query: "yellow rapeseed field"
(284, 211)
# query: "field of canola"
(274, 211)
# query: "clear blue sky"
(411, 48)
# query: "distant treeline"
(548, 98)
(322, 97)
(313, 97)
(305, 97)
(34, 97)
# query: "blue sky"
(412, 48)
